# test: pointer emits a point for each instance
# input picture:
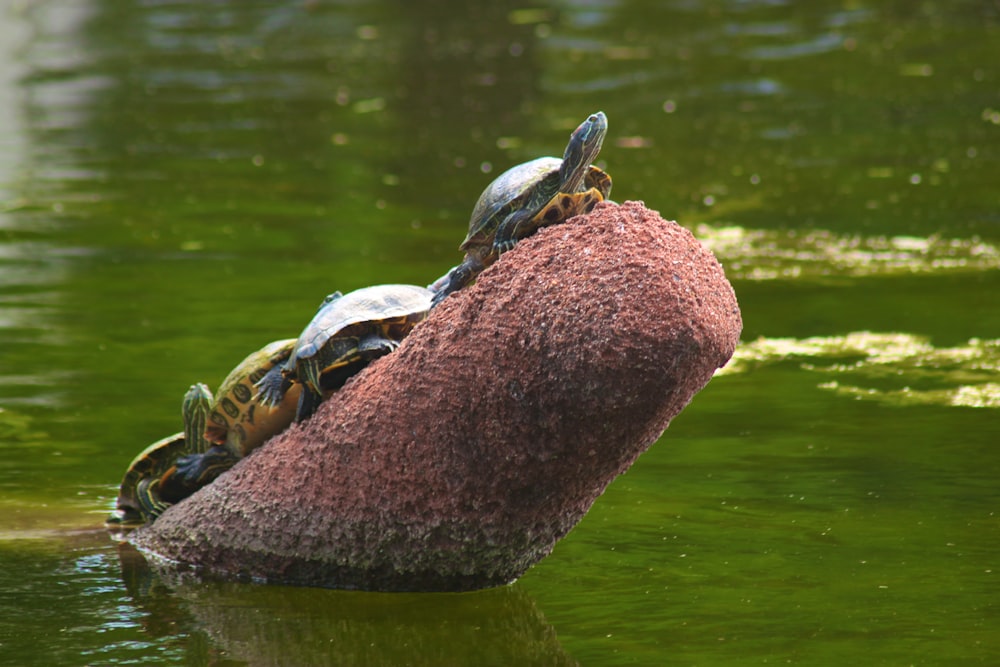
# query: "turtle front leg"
(272, 387)
(511, 229)
(521, 224)
(309, 400)
(374, 346)
(442, 282)
(193, 471)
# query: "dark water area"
(182, 182)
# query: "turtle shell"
(534, 194)
(149, 464)
(528, 187)
(528, 184)
(239, 420)
(333, 338)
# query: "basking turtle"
(347, 332)
(534, 194)
(239, 422)
(139, 496)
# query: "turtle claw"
(443, 281)
(457, 278)
(375, 346)
(504, 246)
(194, 471)
(509, 231)
(440, 296)
(272, 387)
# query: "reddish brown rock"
(458, 461)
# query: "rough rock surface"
(458, 461)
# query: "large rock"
(458, 461)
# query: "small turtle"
(348, 332)
(239, 422)
(542, 192)
(139, 496)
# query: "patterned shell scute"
(240, 380)
(509, 188)
(237, 417)
(369, 304)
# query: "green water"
(181, 182)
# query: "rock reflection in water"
(276, 625)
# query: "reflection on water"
(252, 623)
(893, 368)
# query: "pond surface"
(183, 181)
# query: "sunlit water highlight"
(894, 368)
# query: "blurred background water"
(182, 181)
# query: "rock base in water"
(458, 461)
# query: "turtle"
(139, 497)
(534, 194)
(238, 422)
(348, 331)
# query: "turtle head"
(195, 408)
(584, 145)
(329, 298)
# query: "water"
(180, 182)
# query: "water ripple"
(824, 43)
